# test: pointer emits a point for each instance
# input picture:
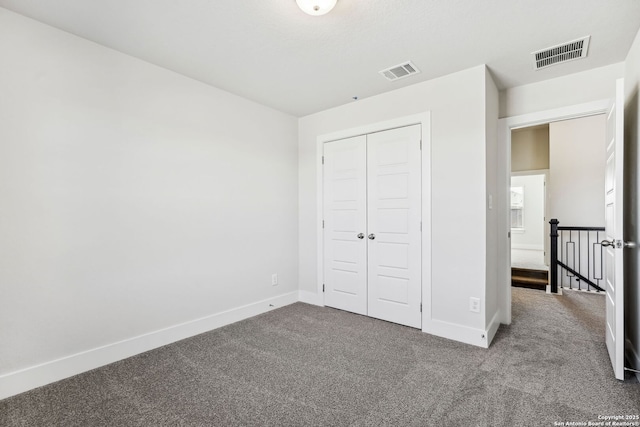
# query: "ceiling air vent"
(399, 71)
(564, 52)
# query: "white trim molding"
(526, 246)
(494, 324)
(39, 375)
(460, 333)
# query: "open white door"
(345, 216)
(613, 230)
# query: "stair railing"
(577, 261)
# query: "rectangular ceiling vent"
(564, 52)
(400, 71)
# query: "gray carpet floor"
(303, 365)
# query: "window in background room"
(517, 208)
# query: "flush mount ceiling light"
(316, 7)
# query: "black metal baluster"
(601, 262)
(567, 259)
(588, 258)
(554, 255)
(579, 269)
(573, 259)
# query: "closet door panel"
(345, 216)
(393, 219)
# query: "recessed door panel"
(346, 252)
(393, 186)
(393, 290)
(393, 221)
(345, 282)
(345, 190)
(609, 171)
(393, 255)
(345, 221)
(393, 152)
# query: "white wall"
(578, 88)
(492, 319)
(632, 202)
(532, 237)
(577, 163)
(457, 105)
(133, 199)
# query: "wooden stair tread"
(535, 286)
(528, 272)
(527, 278)
(530, 280)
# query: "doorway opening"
(529, 237)
(558, 173)
(528, 207)
(505, 128)
(612, 157)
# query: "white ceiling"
(271, 52)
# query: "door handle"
(360, 236)
(371, 236)
(618, 244)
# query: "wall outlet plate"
(474, 305)
(274, 279)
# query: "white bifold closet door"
(372, 214)
(345, 216)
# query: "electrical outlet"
(274, 279)
(474, 305)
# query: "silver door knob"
(371, 236)
(360, 236)
(619, 244)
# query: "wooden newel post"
(554, 255)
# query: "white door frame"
(545, 211)
(505, 126)
(423, 119)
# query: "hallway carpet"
(303, 365)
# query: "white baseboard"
(548, 289)
(527, 247)
(633, 356)
(494, 324)
(36, 376)
(311, 298)
(452, 331)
